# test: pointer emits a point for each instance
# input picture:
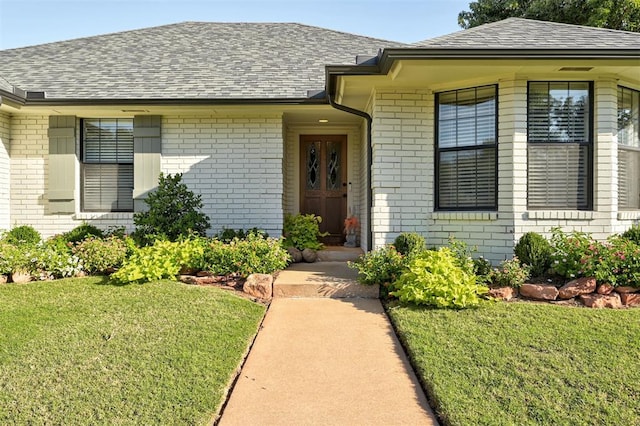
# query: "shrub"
(101, 255)
(632, 234)
(571, 253)
(82, 232)
(23, 235)
(434, 278)
(534, 250)
(227, 234)
(410, 244)
(255, 254)
(303, 231)
(17, 258)
(511, 273)
(173, 213)
(150, 263)
(482, 270)
(6, 253)
(382, 266)
(463, 255)
(54, 260)
(617, 262)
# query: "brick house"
(485, 133)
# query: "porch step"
(339, 254)
(321, 279)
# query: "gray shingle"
(518, 33)
(188, 60)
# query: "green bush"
(410, 244)
(23, 235)
(303, 231)
(571, 254)
(54, 260)
(482, 270)
(227, 234)
(434, 278)
(173, 213)
(617, 262)
(99, 256)
(150, 263)
(255, 254)
(534, 250)
(82, 232)
(6, 255)
(463, 255)
(382, 266)
(18, 258)
(632, 234)
(511, 273)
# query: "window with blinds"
(107, 165)
(560, 145)
(466, 149)
(628, 149)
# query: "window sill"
(629, 215)
(104, 216)
(561, 214)
(464, 216)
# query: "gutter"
(367, 117)
(172, 102)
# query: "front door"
(323, 182)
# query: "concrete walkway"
(327, 362)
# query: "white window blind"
(628, 149)
(559, 153)
(107, 165)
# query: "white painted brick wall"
(234, 163)
(5, 170)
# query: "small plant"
(6, 252)
(410, 244)
(17, 258)
(463, 254)
(150, 263)
(99, 256)
(23, 235)
(434, 278)
(382, 266)
(351, 225)
(482, 269)
(303, 231)
(632, 234)
(511, 273)
(617, 262)
(54, 260)
(173, 212)
(256, 254)
(82, 232)
(534, 250)
(227, 234)
(571, 253)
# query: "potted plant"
(351, 225)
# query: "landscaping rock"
(187, 279)
(205, 274)
(20, 277)
(309, 255)
(626, 289)
(573, 288)
(601, 300)
(259, 285)
(3, 279)
(503, 293)
(539, 291)
(296, 255)
(605, 288)
(630, 299)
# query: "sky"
(30, 22)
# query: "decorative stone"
(309, 255)
(626, 289)
(605, 288)
(630, 299)
(296, 255)
(259, 285)
(204, 274)
(539, 291)
(187, 279)
(601, 300)
(3, 279)
(21, 277)
(573, 288)
(503, 293)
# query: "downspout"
(368, 118)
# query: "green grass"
(526, 363)
(82, 351)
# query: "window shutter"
(147, 150)
(61, 178)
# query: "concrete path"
(327, 362)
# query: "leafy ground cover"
(82, 351)
(525, 363)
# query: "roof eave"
(173, 101)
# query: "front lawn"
(82, 351)
(526, 363)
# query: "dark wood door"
(323, 182)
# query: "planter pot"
(20, 277)
(351, 241)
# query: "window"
(628, 149)
(466, 149)
(107, 165)
(560, 145)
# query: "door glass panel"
(334, 174)
(313, 166)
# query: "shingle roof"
(518, 33)
(188, 60)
